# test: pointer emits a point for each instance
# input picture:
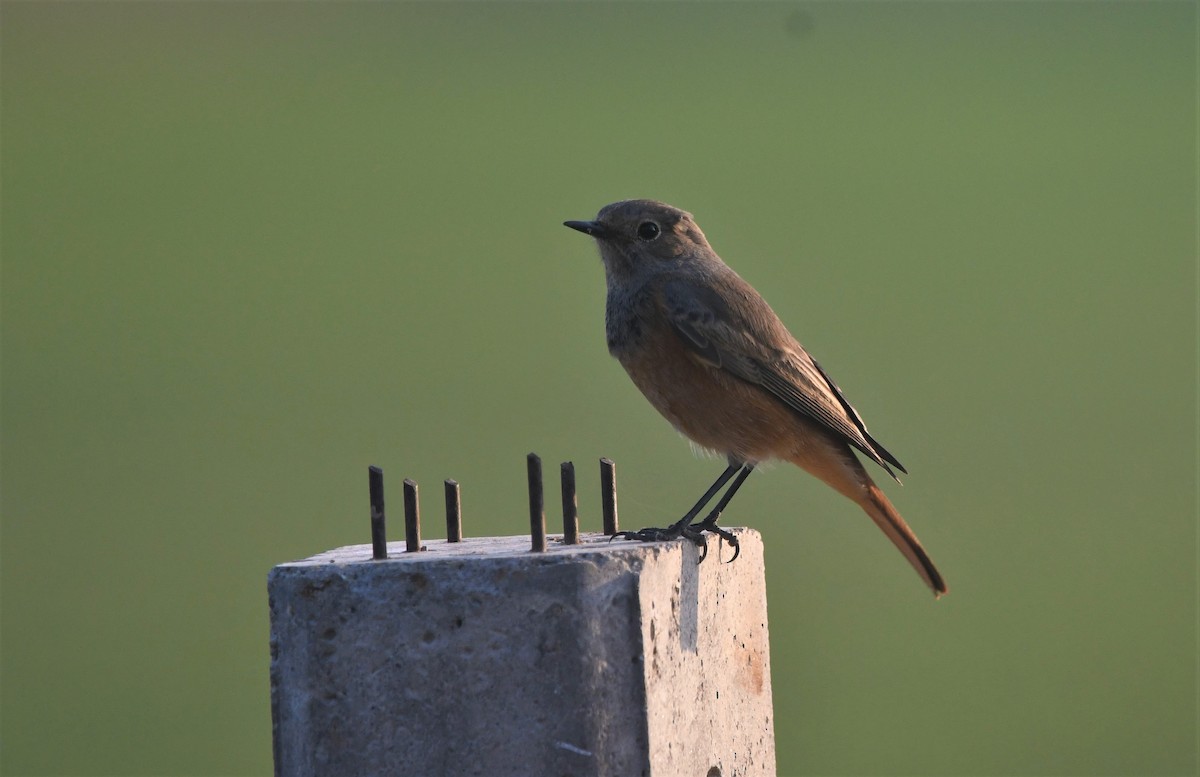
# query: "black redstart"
(712, 357)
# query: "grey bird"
(712, 357)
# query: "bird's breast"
(712, 407)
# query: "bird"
(709, 353)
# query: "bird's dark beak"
(593, 228)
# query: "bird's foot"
(673, 532)
(693, 532)
(709, 524)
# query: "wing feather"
(721, 336)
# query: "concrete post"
(482, 658)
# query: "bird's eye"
(647, 230)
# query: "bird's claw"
(709, 524)
(660, 535)
(693, 532)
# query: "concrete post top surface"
(518, 547)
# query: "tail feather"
(831, 460)
(888, 519)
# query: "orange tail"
(887, 519)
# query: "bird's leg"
(694, 532)
(710, 521)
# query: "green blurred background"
(251, 248)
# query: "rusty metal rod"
(378, 520)
(537, 507)
(608, 494)
(412, 517)
(570, 505)
(453, 512)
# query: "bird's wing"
(728, 337)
